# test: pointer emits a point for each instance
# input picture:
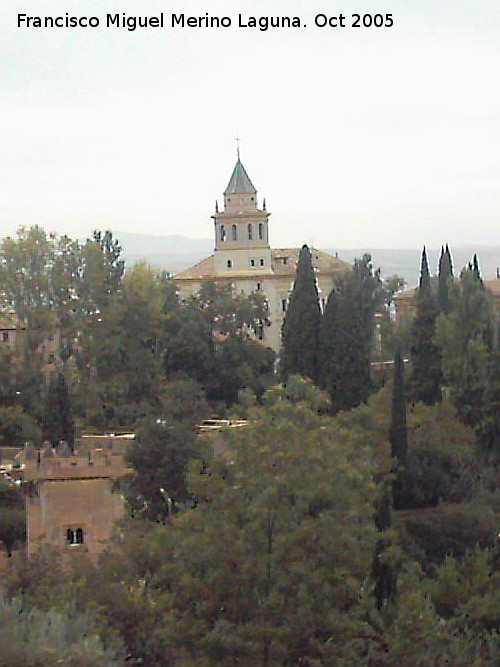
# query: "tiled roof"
(322, 261)
(202, 270)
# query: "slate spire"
(240, 182)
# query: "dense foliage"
(346, 336)
(336, 527)
(114, 337)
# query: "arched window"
(75, 535)
(250, 232)
(261, 231)
(234, 233)
(222, 233)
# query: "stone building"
(72, 501)
(244, 258)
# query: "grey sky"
(374, 137)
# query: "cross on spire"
(237, 145)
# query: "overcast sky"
(370, 138)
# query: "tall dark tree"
(467, 341)
(57, 420)
(383, 572)
(327, 342)
(346, 336)
(300, 332)
(425, 354)
(474, 266)
(424, 284)
(445, 275)
(398, 435)
(491, 428)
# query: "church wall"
(277, 291)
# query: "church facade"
(244, 258)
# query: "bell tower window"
(261, 231)
(250, 232)
(234, 231)
(222, 233)
(229, 264)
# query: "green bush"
(442, 459)
(16, 426)
(49, 639)
(448, 530)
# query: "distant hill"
(172, 253)
(175, 253)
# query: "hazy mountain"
(172, 253)
(175, 253)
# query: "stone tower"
(244, 260)
(241, 229)
(73, 500)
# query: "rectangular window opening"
(75, 536)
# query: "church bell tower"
(241, 229)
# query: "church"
(244, 258)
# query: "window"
(75, 536)
(252, 262)
(261, 231)
(259, 286)
(262, 262)
(283, 305)
(285, 259)
(234, 232)
(229, 263)
(222, 233)
(250, 232)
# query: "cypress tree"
(383, 572)
(445, 274)
(327, 342)
(398, 434)
(469, 356)
(300, 331)
(424, 284)
(57, 421)
(474, 266)
(346, 336)
(425, 355)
